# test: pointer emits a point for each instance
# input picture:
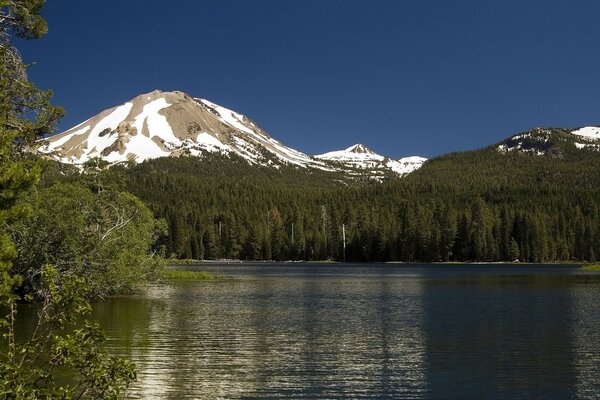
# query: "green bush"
(103, 237)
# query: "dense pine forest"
(479, 205)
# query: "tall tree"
(25, 115)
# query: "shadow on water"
(499, 337)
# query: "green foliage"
(472, 206)
(24, 114)
(101, 376)
(22, 18)
(29, 368)
(102, 237)
(15, 180)
(25, 111)
(189, 275)
(58, 347)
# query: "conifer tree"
(26, 115)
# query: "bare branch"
(121, 222)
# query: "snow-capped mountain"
(164, 124)
(361, 157)
(161, 124)
(551, 141)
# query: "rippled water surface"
(368, 331)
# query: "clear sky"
(403, 77)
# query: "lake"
(364, 331)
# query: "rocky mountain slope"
(552, 141)
(167, 124)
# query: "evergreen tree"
(26, 368)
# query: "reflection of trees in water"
(586, 338)
(498, 336)
(138, 326)
(338, 337)
(272, 337)
(395, 337)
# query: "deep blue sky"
(403, 77)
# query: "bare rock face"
(125, 128)
(118, 146)
(165, 124)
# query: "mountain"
(534, 196)
(361, 157)
(538, 161)
(489, 204)
(162, 124)
(166, 124)
(552, 141)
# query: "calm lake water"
(364, 331)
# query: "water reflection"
(377, 332)
(586, 339)
(499, 336)
(275, 338)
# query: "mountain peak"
(163, 124)
(173, 123)
(169, 96)
(360, 157)
(359, 149)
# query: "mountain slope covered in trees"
(483, 205)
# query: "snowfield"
(158, 124)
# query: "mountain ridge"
(170, 124)
(166, 124)
(360, 156)
(552, 141)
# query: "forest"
(478, 205)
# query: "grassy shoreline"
(174, 262)
(188, 275)
(176, 274)
(593, 267)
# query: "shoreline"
(340, 263)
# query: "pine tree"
(513, 250)
(19, 100)
(25, 115)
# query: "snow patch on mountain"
(228, 116)
(406, 165)
(356, 153)
(210, 142)
(360, 156)
(56, 144)
(145, 149)
(541, 141)
(111, 121)
(167, 124)
(591, 132)
(157, 124)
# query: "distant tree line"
(471, 206)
